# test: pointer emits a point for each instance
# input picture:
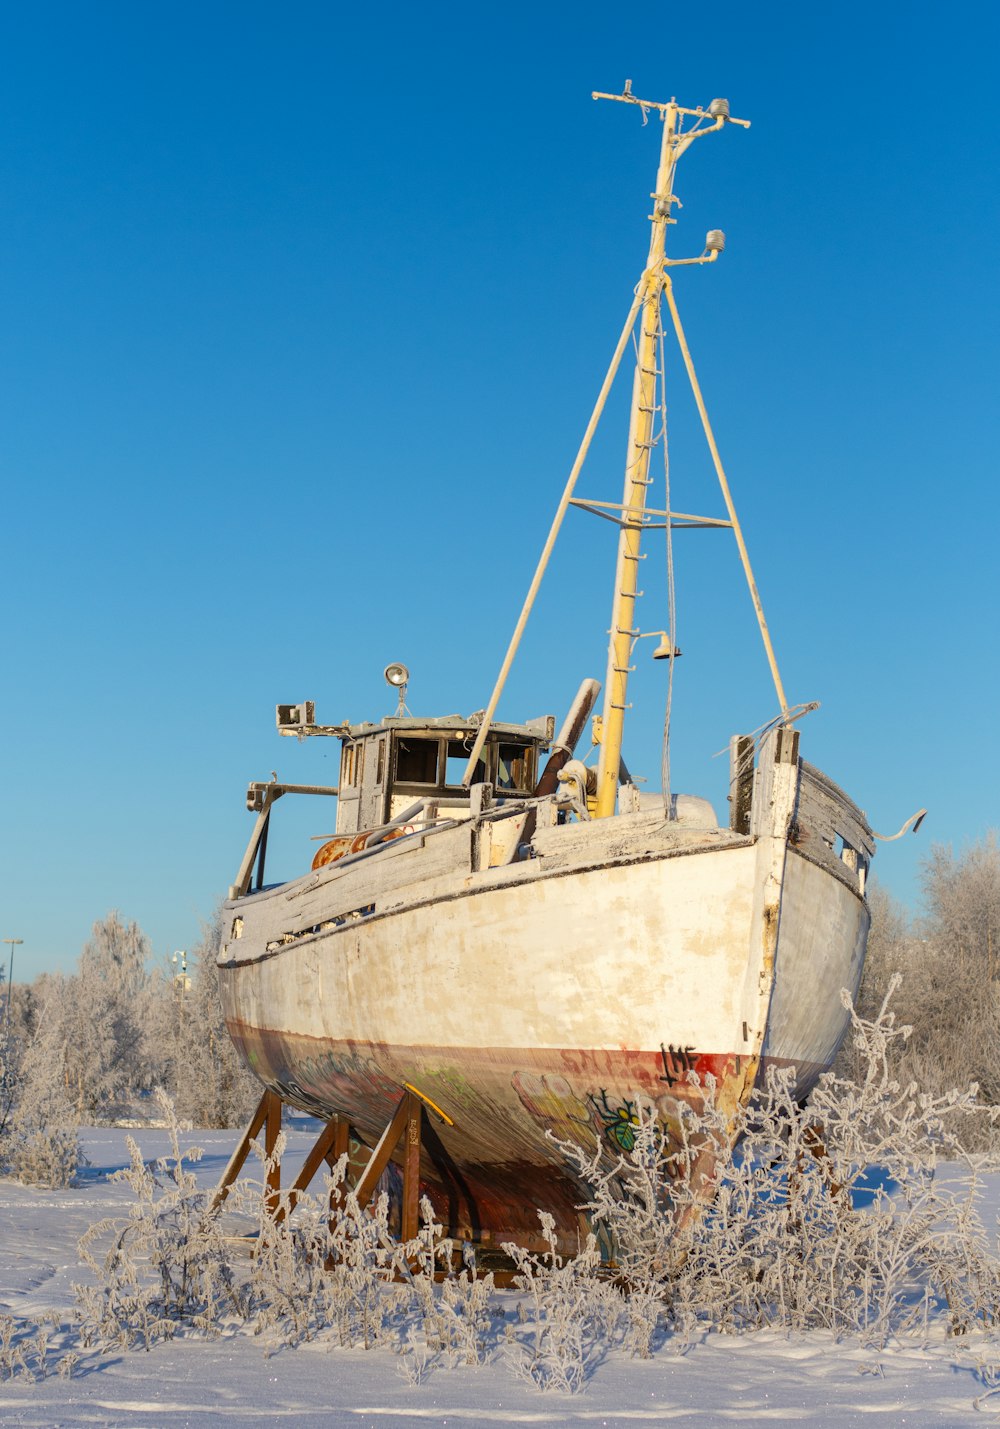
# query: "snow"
(765, 1377)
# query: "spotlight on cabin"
(715, 240)
(295, 719)
(666, 650)
(719, 109)
(396, 675)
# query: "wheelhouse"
(386, 768)
(401, 767)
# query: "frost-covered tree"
(206, 1078)
(17, 1021)
(949, 962)
(99, 1016)
(960, 969)
(10, 1082)
(114, 974)
(962, 896)
(893, 952)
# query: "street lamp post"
(180, 981)
(12, 943)
(180, 976)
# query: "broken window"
(417, 761)
(348, 765)
(512, 767)
(458, 758)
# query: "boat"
(528, 941)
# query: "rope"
(759, 735)
(557, 520)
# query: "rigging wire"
(671, 598)
(760, 734)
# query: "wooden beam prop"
(408, 1125)
(268, 1111)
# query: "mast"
(622, 635)
(640, 433)
(646, 305)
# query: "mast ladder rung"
(634, 633)
(615, 706)
(624, 669)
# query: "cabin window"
(458, 758)
(417, 761)
(512, 766)
(380, 766)
(349, 765)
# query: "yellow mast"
(646, 305)
(640, 437)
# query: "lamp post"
(180, 974)
(180, 965)
(12, 943)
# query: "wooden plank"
(820, 782)
(239, 1156)
(825, 809)
(741, 774)
(341, 1147)
(382, 1154)
(411, 1169)
(272, 1128)
(324, 1148)
(444, 853)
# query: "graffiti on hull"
(619, 1122)
(602, 1116)
(678, 1062)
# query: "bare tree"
(963, 908)
(890, 953)
(949, 961)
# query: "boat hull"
(551, 1001)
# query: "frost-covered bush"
(858, 1214)
(313, 1273)
(168, 1262)
(454, 1318)
(41, 1146)
(834, 1214)
(291, 1275)
(33, 1350)
(570, 1315)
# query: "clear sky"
(304, 309)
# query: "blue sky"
(303, 313)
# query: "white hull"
(551, 994)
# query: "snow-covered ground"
(773, 1379)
